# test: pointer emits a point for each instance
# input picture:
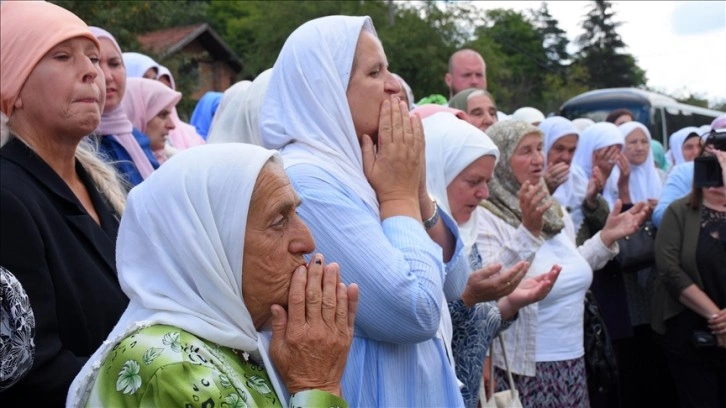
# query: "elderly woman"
(140, 65)
(546, 341)
(479, 105)
(190, 335)
(460, 162)
(60, 203)
(148, 104)
(122, 145)
(368, 208)
(690, 295)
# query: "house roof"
(169, 41)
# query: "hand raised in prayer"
(594, 187)
(533, 208)
(488, 284)
(555, 175)
(393, 166)
(529, 291)
(618, 225)
(605, 160)
(311, 340)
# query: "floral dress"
(164, 366)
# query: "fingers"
(385, 124)
(330, 304)
(397, 133)
(406, 122)
(353, 296)
(617, 207)
(313, 289)
(488, 271)
(296, 297)
(279, 322)
(369, 154)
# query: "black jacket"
(66, 264)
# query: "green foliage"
(600, 51)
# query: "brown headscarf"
(503, 198)
(28, 30)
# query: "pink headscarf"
(429, 109)
(116, 124)
(145, 98)
(28, 30)
(184, 135)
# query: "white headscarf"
(675, 144)
(528, 114)
(594, 137)
(453, 144)
(194, 283)
(305, 112)
(582, 123)
(238, 116)
(570, 193)
(137, 64)
(644, 181)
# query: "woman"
(184, 135)
(203, 113)
(598, 151)
(479, 105)
(60, 203)
(406, 94)
(148, 104)
(684, 145)
(368, 209)
(238, 117)
(460, 161)
(690, 295)
(545, 343)
(126, 148)
(528, 114)
(620, 116)
(140, 65)
(190, 333)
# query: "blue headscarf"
(204, 112)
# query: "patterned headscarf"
(503, 198)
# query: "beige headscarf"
(503, 198)
(24, 44)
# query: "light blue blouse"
(678, 184)
(398, 357)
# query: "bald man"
(466, 70)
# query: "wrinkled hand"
(394, 166)
(488, 284)
(605, 160)
(594, 187)
(311, 340)
(555, 175)
(533, 209)
(717, 323)
(624, 165)
(721, 340)
(618, 224)
(534, 289)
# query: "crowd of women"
(312, 241)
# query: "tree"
(600, 51)
(554, 39)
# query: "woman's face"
(65, 92)
(482, 112)
(158, 127)
(691, 148)
(164, 79)
(469, 188)
(150, 73)
(370, 84)
(112, 65)
(637, 147)
(275, 241)
(528, 160)
(562, 150)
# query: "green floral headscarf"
(504, 187)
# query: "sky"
(680, 44)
